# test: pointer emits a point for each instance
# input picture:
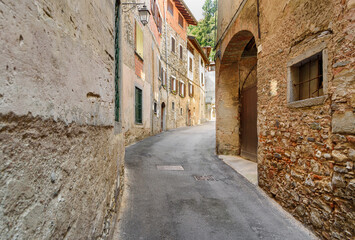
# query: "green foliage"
(205, 31)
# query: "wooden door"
(248, 118)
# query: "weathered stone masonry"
(305, 153)
(61, 151)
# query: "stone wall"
(58, 181)
(305, 154)
(62, 152)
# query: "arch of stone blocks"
(228, 93)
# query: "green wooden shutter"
(117, 51)
(138, 105)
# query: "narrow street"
(205, 200)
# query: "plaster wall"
(62, 152)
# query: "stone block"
(338, 156)
(338, 180)
(343, 123)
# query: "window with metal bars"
(307, 78)
(138, 105)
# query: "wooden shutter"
(138, 105)
(171, 84)
(139, 40)
(181, 52)
(184, 88)
(181, 21)
(193, 90)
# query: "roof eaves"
(196, 44)
(185, 11)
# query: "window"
(152, 7)
(138, 105)
(202, 80)
(182, 90)
(181, 111)
(160, 73)
(155, 107)
(170, 7)
(201, 62)
(191, 89)
(190, 64)
(173, 84)
(307, 83)
(173, 106)
(181, 52)
(139, 40)
(164, 78)
(173, 44)
(308, 78)
(181, 21)
(156, 15)
(159, 23)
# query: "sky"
(196, 7)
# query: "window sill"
(307, 102)
(139, 124)
(140, 58)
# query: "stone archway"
(236, 98)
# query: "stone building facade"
(61, 149)
(155, 61)
(285, 77)
(210, 92)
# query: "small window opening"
(307, 78)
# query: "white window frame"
(182, 88)
(173, 88)
(171, 44)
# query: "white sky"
(196, 7)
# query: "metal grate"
(205, 178)
(170, 168)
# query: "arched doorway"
(162, 117)
(236, 98)
(248, 102)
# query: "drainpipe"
(258, 14)
(167, 67)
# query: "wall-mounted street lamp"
(143, 11)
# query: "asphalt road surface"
(205, 200)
